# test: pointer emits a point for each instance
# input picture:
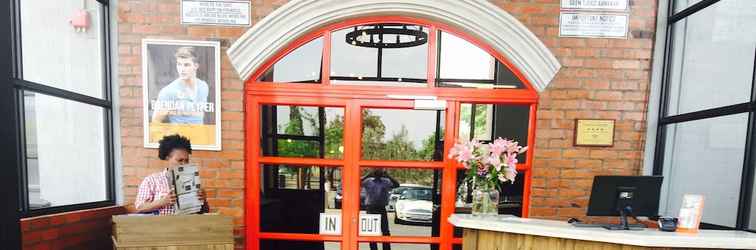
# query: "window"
(64, 107)
(705, 140)
(462, 64)
(380, 54)
(300, 66)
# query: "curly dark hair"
(171, 142)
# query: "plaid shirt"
(155, 187)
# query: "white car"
(415, 205)
(396, 192)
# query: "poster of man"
(181, 91)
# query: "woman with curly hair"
(155, 194)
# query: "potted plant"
(489, 166)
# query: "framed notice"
(611, 5)
(216, 12)
(594, 132)
(593, 25)
(181, 92)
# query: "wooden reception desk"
(509, 232)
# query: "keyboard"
(602, 225)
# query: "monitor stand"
(627, 210)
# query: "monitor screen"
(612, 193)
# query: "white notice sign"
(370, 225)
(593, 25)
(595, 4)
(330, 224)
(215, 12)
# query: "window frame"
(749, 162)
(20, 86)
(10, 228)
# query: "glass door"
(328, 162)
(398, 154)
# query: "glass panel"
(752, 224)
(302, 131)
(402, 134)
(398, 246)
(65, 151)
(409, 198)
(303, 65)
(712, 58)
(493, 121)
(380, 54)
(510, 201)
(292, 197)
(716, 176)
(683, 4)
(73, 60)
(462, 64)
(289, 245)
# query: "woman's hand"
(202, 195)
(167, 200)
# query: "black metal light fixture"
(372, 36)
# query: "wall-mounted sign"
(215, 12)
(181, 92)
(617, 5)
(370, 225)
(330, 224)
(593, 25)
(593, 132)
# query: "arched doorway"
(376, 93)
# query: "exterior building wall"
(600, 78)
(86, 229)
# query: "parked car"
(396, 192)
(339, 196)
(415, 205)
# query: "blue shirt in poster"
(189, 105)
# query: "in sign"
(330, 224)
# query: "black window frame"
(749, 160)
(19, 86)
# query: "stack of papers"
(186, 182)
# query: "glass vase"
(485, 200)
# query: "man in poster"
(183, 101)
(181, 91)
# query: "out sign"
(330, 224)
(370, 225)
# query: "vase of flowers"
(489, 166)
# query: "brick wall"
(600, 78)
(222, 172)
(86, 229)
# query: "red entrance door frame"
(353, 99)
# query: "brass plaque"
(593, 132)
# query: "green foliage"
(481, 117)
(374, 147)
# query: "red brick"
(608, 95)
(603, 154)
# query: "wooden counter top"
(727, 239)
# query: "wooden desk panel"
(490, 240)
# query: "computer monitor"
(624, 196)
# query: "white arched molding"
(479, 18)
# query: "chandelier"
(391, 37)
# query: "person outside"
(184, 100)
(155, 194)
(378, 185)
